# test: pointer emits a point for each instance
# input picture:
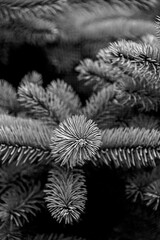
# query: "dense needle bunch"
(66, 194)
(75, 141)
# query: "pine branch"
(25, 131)
(98, 102)
(138, 72)
(129, 147)
(60, 22)
(103, 110)
(19, 203)
(130, 137)
(124, 50)
(97, 74)
(9, 104)
(23, 140)
(132, 57)
(98, 33)
(99, 20)
(51, 106)
(33, 31)
(133, 81)
(120, 60)
(66, 94)
(140, 92)
(30, 22)
(113, 116)
(132, 78)
(66, 194)
(39, 104)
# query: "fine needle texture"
(79, 120)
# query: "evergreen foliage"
(65, 194)
(56, 144)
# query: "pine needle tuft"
(66, 194)
(75, 141)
